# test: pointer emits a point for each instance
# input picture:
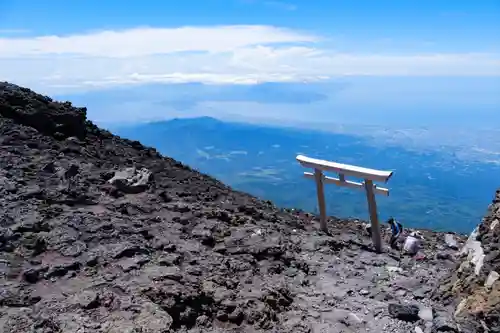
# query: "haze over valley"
(429, 189)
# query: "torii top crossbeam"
(369, 176)
(345, 169)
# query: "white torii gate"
(369, 176)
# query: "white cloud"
(149, 41)
(218, 54)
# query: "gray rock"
(169, 259)
(353, 319)
(6, 184)
(444, 256)
(419, 294)
(91, 260)
(401, 293)
(61, 269)
(72, 171)
(153, 319)
(128, 264)
(125, 249)
(74, 249)
(32, 275)
(444, 323)
(163, 272)
(131, 180)
(393, 269)
(203, 321)
(16, 320)
(345, 317)
(426, 314)
(87, 299)
(364, 292)
(404, 312)
(491, 279)
(474, 249)
(450, 241)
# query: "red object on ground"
(420, 256)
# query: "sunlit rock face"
(474, 287)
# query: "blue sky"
(434, 25)
(85, 44)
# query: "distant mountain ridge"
(429, 189)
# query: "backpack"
(396, 228)
(400, 226)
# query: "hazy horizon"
(458, 114)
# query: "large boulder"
(131, 180)
(474, 287)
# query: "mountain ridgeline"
(430, 189)
(102, 234)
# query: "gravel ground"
(102, 234)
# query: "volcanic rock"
(472, 288)
(131, 180)
(101, 234)
(404, 312)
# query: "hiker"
(368, 229)
(397, 230)
(413, 243)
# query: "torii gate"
(369, 176)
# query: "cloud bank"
(244, 54)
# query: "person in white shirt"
(413, 243)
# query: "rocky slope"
(473, 288)
(101, 234)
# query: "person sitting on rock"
(397, 230)
(368, 229)
(413, 243)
